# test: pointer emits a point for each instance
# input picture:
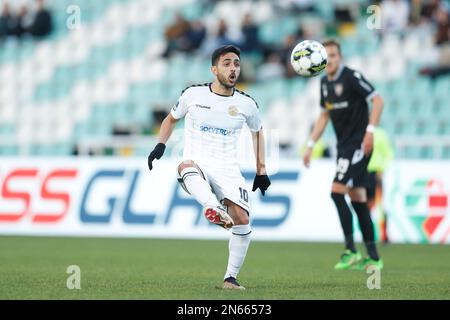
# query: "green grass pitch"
(35, 268)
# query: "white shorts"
(226, 183)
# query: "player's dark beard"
(223, 82)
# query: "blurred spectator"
(219, 39)
(394, 16)
(14, 23)
(382, 156)
(37, 23)
(222, 34)
(442, 42)
(431, 8)
(442, 36)
(5, 20)
(184, 36)
(42, 21)
(285, 54)
(415, 12)
(195, 35)
(174, 34)
(192, 39)
(271, 69)
(250, 31)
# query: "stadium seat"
(111, 70)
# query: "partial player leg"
(379, 199)
(359, 203)
(371, 190)
(191, 179)
(375, 201)
(350, 255)
(229, 185)
(238, 244)
(345, 215)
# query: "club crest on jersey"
(338, 89)
(233, 111)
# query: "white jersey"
(213, 124)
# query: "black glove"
(262, 182)
(157, 153)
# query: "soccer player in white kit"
(214, 116)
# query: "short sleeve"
(363, 87)
(180, 108)
(253, 118)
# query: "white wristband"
(370, 128)
(310, 143)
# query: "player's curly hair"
(223, 50)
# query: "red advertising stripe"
(63, 197)
(430, 225)
(17, 195)
(438, 201)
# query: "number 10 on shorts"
(244, 194)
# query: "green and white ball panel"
(309, 58)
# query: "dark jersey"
(345, 98)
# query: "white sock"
(198, 187)
(238, 245)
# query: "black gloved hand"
(157, 153)
(262, 182)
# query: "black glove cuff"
(160, 147)
(159, 150)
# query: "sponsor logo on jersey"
(233, 111)
(337, 105)
(202, 107)
(220, 131)
(328, 105)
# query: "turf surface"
(35, 268)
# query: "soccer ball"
(309, 58)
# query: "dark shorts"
(351, 168)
